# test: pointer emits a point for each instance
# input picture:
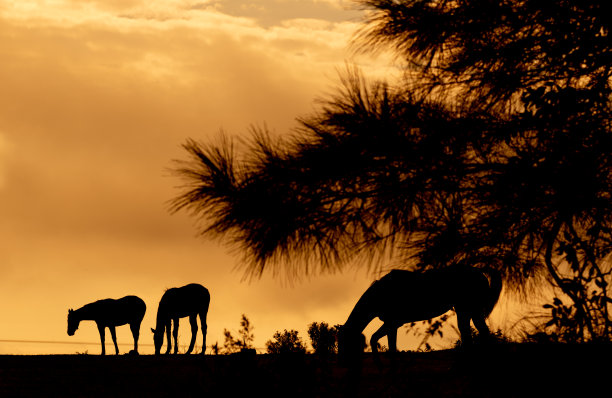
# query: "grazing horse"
(188, 301)
(110, 313)
(402, 296)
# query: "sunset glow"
(97, 98)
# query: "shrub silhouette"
(323, 338)
(286, 342)
(245, 338)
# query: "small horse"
(402, 297)
(188, 301)
(110, 313)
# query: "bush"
(323, 338)
(245, 338)
(286, 342)
(496, 337)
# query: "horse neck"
(84, 313)
(162, 315)
(360, 316)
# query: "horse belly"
(112, 321)
(122, 317)
(183, 314)
(188, 309)
(400, 313)
(183, 311)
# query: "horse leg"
(193, 321)
(167, 328)
(384, 330)
(377, 335)
(463, 322)
(204, 330)
(135, 328)
(101, 331)
(392, 340)
(483, 330)
(114, 336)
(175, 334)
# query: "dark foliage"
(491, 52)
(243, 342)
(286, 343)
(323, 338)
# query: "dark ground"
(506, 370)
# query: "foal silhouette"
(402, 296)
(109, 313)
(188, 301)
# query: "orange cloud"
(97, 97)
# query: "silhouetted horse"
(402, 296)
(109, 313)
(179, 302)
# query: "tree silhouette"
(323, 338)
(285, 343)
(245, 338)
(493, 148)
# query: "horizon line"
(69, 342)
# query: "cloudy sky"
(96, 98)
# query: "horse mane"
(392, 271)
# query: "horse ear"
(70, 311)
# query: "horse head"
(350, 346)
(158, 339)
(73, 323)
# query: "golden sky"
(96, 98)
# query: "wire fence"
(69, 342)
(108, 343)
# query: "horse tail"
(495, 287)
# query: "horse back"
(131, 306)
(406, 296)
(119, 312)
(409, 296)
(184, 301)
